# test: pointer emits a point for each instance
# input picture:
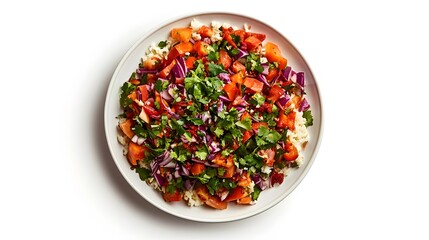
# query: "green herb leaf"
(162, 44)
(215, 69)
(257, 99)
(202, 153)
(308, 118)
(160, 85)
(213, 56)
(245, 124)
(218, 131)
(143, 173)
(126, 89)
(256, 191)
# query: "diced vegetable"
(253, 84)
(126, 128)
(135, 153)
(273, 54)
(252, 43)
(201, 48)
(181, 34)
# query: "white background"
(370, 178)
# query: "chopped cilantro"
(126, 90)
(143, 173)
(213, 56)
(218, 131)
(253, 63)
(245, 124)
(308, 118)
(202, 153)
(257, 99)
(215, 69)
(160, 85)
(162, 44)
(256, 191)
(236, 39)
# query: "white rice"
(192, 198)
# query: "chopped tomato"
(229, 172)
(227, 36)
(231, 90)
(132, 96)
(190, 61)
(254, 84)
(215, 202)
(272, 73)
(275, 93)
(172, 197)
(166, 71)
(238, 67)
(134, 81)
(237, 78)
(201, 48)
(257, 125)
(126, 128)
(144, 92)
(246, 136)
(259, 36)
(277, 178)
(252, 43)
(236, 193)
(152, 63)
(286, 120)
(224, 161)
(197, 168)
(273, 54)
(244, 200)
(268, 107)
(150, 111)
(244, 116)
(244, 179)
(240, 33)
(202, 192)
(205, 31)
(224, 59)
(135, 153)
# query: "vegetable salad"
(214, 115)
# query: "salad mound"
(214, 115)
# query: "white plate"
(268, 198)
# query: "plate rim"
(195, 14)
